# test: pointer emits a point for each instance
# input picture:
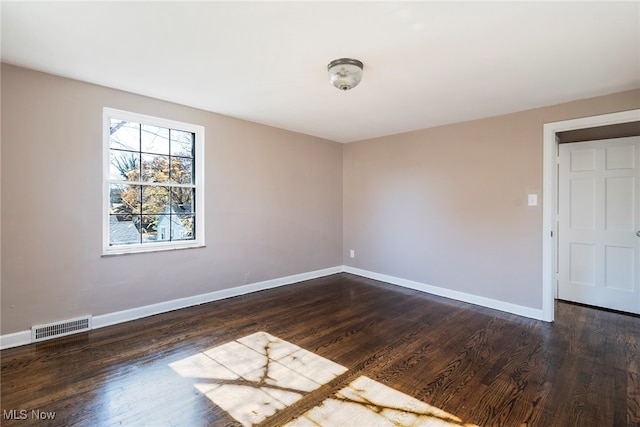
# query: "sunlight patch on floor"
(256, 376)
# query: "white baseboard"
(448, 293)
(15, 339)
(24, 337)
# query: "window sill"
(146, 250)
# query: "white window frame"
(198, 241)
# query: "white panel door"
(599, 223)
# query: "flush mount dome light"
(345, 73)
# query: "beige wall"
(447, 206)
(270, 210)
(444, 206)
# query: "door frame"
(550, 195)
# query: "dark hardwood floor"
(485, 367)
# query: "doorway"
(550, 194)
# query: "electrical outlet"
(532, 200)
(247, 278)
(352, 253)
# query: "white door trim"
(550, 197)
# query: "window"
(153, 190)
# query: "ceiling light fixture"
(345, 73)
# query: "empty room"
(320, 213)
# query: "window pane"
(124, 201)
(155, 168)
(182, 227)
(124, 135)
(182, 143)
(181, 170)
(123, 231)
(149, 227)
(155, 139)
(155, 200)
(124, 165)
(182, 200)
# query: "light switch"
(532, 200)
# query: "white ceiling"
(425, 63)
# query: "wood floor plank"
(482, 366)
